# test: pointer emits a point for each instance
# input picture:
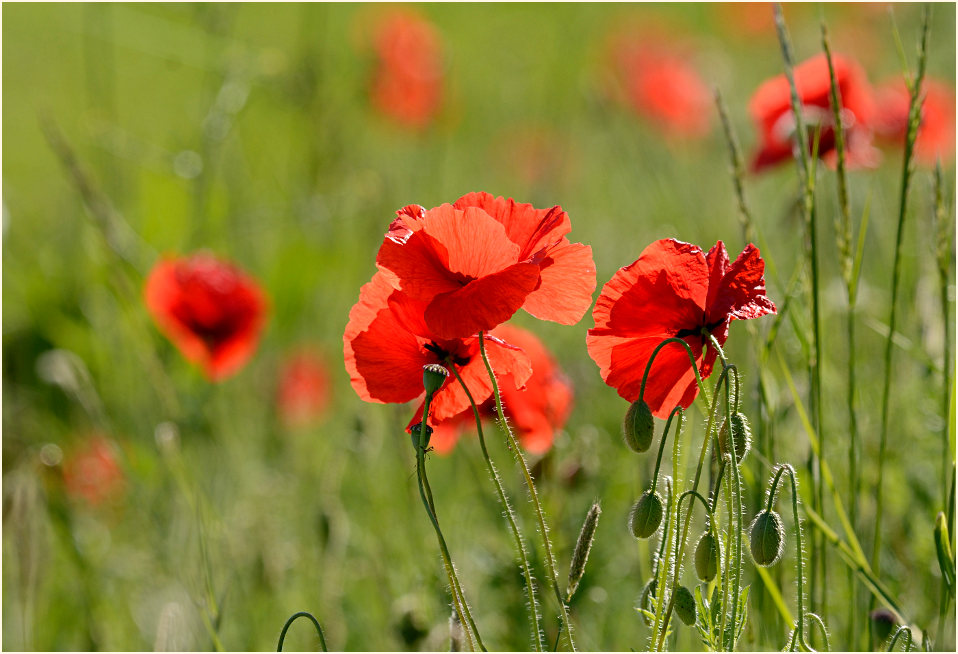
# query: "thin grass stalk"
(807, 178)
(534, 495)
(425, 492)
(914, 117)
(289, 622)
(943, 259)
(509, 513)
(737, 169)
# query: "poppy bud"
(767, 538)
(647, 593)
(685, 605)
(646, 515)
(708, 554)
(883, 621)
(742, 434)
(638, 426)
(433, 377)
(414, 434)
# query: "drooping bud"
(433, 377)
(685, 605)
(644, 601)
(414, 431)
(708, 556)
(638, 428)
(883, 621)
(742, 433)
(646, 515)
(767, 538)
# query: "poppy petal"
(567, 283)
(741, 293)
(671, 380)
(530, 228)
(717, 260)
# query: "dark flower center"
(702, 330)
(443, 354)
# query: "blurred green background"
(248, 130)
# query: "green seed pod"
(742, 433)
(645, 600)
(646, 515)
(414, 434)
(685, 605)
(708, 556)
(638, 428)
(433, 377)
(767, 538)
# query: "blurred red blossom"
(936, 131)
(304, 388)
(771, 110)
(212, 311)
(672, 290)
(92, 473)
(475, 263)
(661, 85)
(536, 411)
(408, 81)
(387, 342)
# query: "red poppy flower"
(303, 392)
(662, 86)
(936, 131)
(477, 262)
(408, 81)
(771, 110)
(673, 289)
(210, 309)
(387, 342)
(92, 474)
(535, 412)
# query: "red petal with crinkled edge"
(567, 282)
(530, 228)
(741, 293)
(482, 304)
(717, 261)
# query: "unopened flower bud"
(708, 555)
(685, 605)
(433, 377)
(767, 538)
(644, 601)
(883, 621)
(646, 515)
(742, 434)
(414, 431)
(638, 426)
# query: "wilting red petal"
(211, 311)
(741, 293)
(567, 282)
(482, 304)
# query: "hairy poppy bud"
(647, 593)
(742, 434)
(414, 434)
(767, 538)
(646, 515)
(638, 426)
(433, 377)
(685, 605)
(708, 554)
(883, 621)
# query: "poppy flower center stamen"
(445, 355)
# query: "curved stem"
(292, 618)
(534, 495)
(773, 489)
(510, 515)
(425, 492)
(898, 633)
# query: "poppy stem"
(533, 494)
(509, 513)
(665, 435)
(292, 618)
(425, 492)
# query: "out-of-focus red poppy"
(536, 411)
(771, 110)
(387, 343)
(475, 263)
(304, 389)
(936, 131)
(407, 85)
(662, 86)
(92, 474)
(673, 289)
(211, 310)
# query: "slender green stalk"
(292, 618)
(661, 622)
(737, 494)
(914, 117)
(894, 640)
(534, 495)
(800, 552)
(943, 259)
(510, 515)
(738, 170)
(425, 492)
